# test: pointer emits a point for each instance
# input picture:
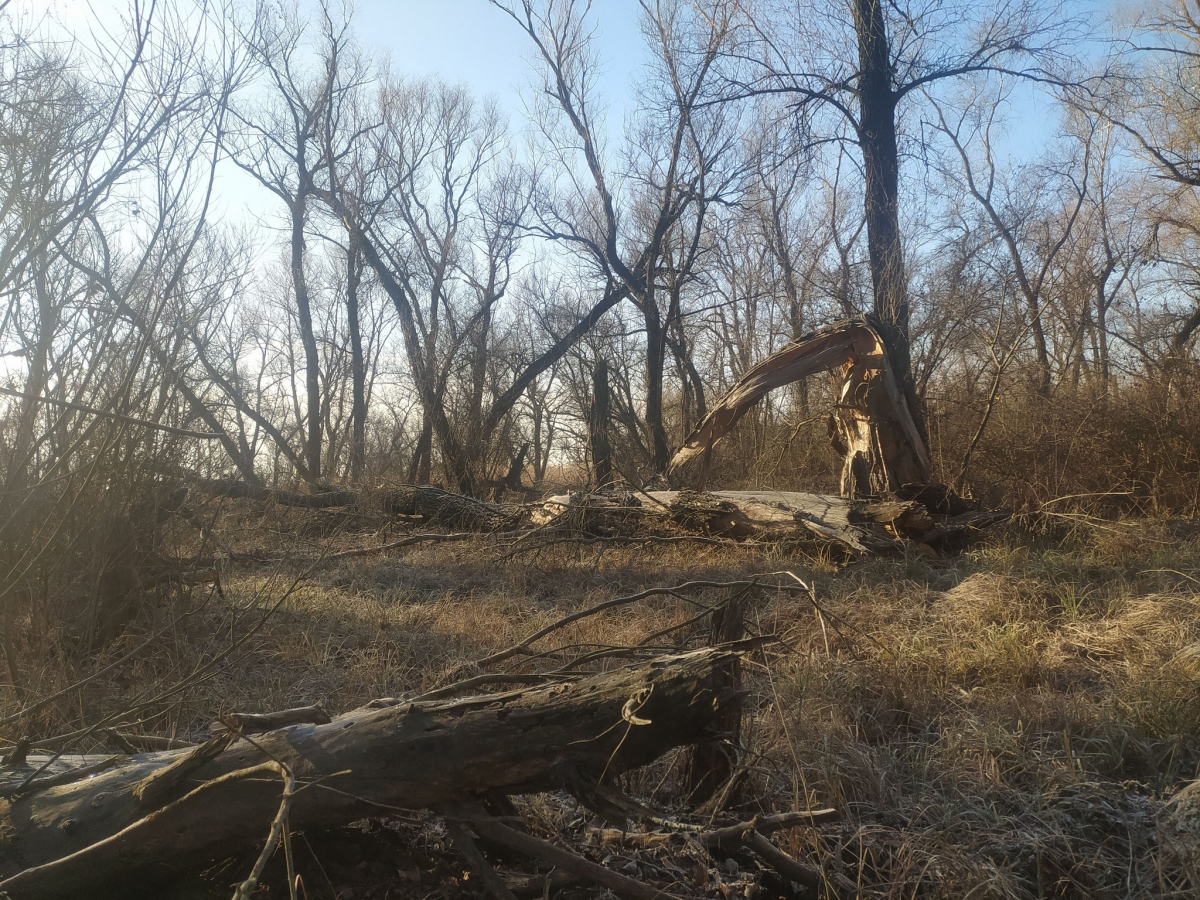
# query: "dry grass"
(1007, 724)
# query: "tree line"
(444, 284)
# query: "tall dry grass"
(1011, 723)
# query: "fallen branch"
(245, 890)
(750, 836)
(857, 526)
(465, 845)
(524, 647)
(254, 723)
(565, 860)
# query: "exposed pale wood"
(860, 526)
(876, 432)
(91, 835)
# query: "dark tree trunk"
(881, 166)
(598, 425)
(156, 815)
(712, 763)
(358, 368)
(421, 467)
(1189, 327)
(655, 360)
(312, 384)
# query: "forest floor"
(1008, 723)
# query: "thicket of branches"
(442, 282)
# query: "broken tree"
(874, 430)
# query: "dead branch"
(523, 648)
(493, 830)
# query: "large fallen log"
(858, 526)
(156, 815)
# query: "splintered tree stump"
(104, 831)
(873, 428)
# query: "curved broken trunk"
(875, 431)
(116, 821)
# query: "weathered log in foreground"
(156, 815)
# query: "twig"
(428, 538)
(812, 598)
(246, 889)
(630, 539)
(255, 723)
(116, 417)
(522, 649)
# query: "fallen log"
(95, 836)
(858, 526)
(425, 502)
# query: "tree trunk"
(711, 765)
(358, 367)
(312, 383)
(855, 527)
(601, 412)
(156, 815)
(881, 171)
(655, 360)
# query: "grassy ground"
(1006, 724)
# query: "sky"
(472, 42)
(460, 41)
(467, 41)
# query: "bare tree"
(680, 152)
(863, 68)
(279, 143)
(1155, 101)
(1016, 208)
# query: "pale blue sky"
(468, 41)
(472, 42)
